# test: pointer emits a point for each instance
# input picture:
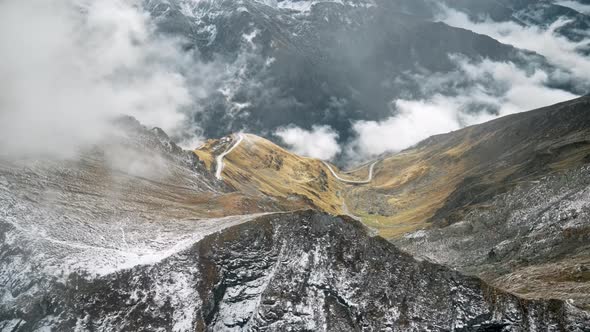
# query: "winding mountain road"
(356, 169)
(367, 181)
(219, 158)
(220, 165)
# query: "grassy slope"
(436, 181)
(446, 175)
(263, 170)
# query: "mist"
(321, 142)
(557, 49)
(483, 91)
(478, 91)
(71, 66)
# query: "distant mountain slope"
(442, 178)
(332, 64)
(529, 12)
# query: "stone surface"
(303, 271)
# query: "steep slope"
(260, 168)
(110, 206)
(532, 240)
(506, 200)
(445, 176)
(298, 271)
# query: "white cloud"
(558, 50)
(575, 5)
(521, 91)
(321, 142)
(493, 89)
(69, 66)
(480, 91)
(415, 121)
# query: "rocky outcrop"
(303, 271)
(533, 240)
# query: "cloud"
(575, 5)
(137, 163)
(415, 121)
(321, 142)
(557, 49)
(483, 91)
(70, 66)
(479, 91)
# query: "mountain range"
(332, 63)
(482, 224)
(158, 240)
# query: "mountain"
(441, 178)
(505, 200)
(501, 200)
(308, 63)
(261, 168)
(518, 216)
(484, 227)
(137, 232)
(300, 271)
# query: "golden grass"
(411, 186)
(259, 168)
(416, 185)
(205, 154)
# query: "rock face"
(508, 201)
(302, 271)
(137, 234)
(534, 241)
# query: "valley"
(295, 165)
(443, 185)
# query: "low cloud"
(557, 49)
(70, 66)
(480, 91)
(483, 91)
(414, 121)
(321, 142)
(137, 163)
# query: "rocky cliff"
(303, 271)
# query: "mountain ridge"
(418, 195)
(140, 222)
(274, 272)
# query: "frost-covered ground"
(543, 223)
(113, 207)
(292, 271)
